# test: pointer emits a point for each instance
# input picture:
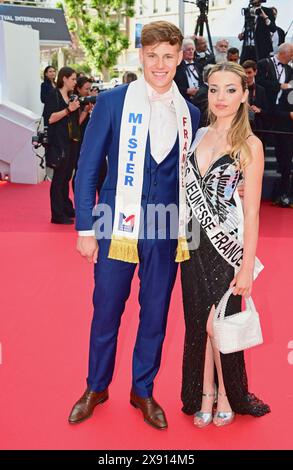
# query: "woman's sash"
(226, 244)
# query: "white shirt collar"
(276, 59)
(151, 90)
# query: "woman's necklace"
(213, 148)
(219, 138)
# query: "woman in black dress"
(49, 83)
(225, 153)
(62, 117)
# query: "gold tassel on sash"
(182, 250)
(123, 249)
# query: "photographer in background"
(258, 28)
(62, 116)
(83, 89)
(129, 77)
(279, 36)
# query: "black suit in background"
(46, 89)
(104, 167)
(181, 80)
(201, 101)
(280, 115)
(267, 78)
(257, 97)
(262, 38)
(284, 143)
(282, 35)
(201, 62)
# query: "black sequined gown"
(205, 278)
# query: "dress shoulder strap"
(198, 137)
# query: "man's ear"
(180, 57)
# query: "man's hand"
(255, 109)
(263, 14)
(285, 86)
(192, 91)
(88, 248)
(241, 36)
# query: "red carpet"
(45, 318)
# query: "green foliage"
(96, 25)
(54, 60)
(83, 67)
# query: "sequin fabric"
(205, 278)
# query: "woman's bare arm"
(253, 175)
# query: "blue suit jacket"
(160, 183)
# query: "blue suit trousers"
(157, 274)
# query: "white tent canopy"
(230, 23)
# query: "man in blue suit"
(152, 176)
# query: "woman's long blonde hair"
(240, 128)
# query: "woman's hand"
(73, 105)
(242, 283)
(88, 108)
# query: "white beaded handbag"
(238, 331)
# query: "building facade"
(154, 10)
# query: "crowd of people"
(66, 118)
(266, 59)
(269, 81)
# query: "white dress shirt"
(162, 128)
(192, 75)
(281, 74)
(163, 123)
(275, 41)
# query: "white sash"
(226, 245)
(132, 147)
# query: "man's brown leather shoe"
(83, 409)
(151, 410)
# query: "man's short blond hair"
(161, 31)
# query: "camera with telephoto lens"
(253, 10)
(87, 100)
(202, 4)
(41, 138)
(84, 100)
